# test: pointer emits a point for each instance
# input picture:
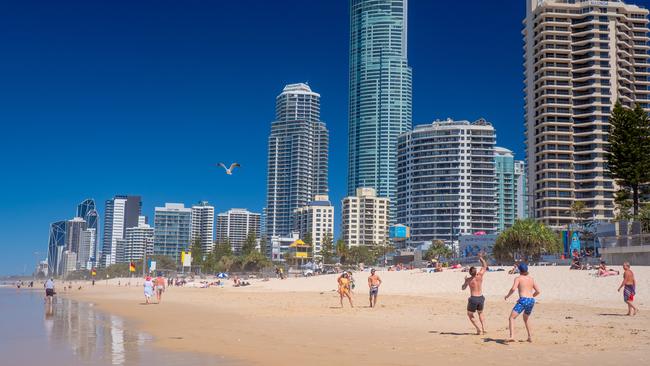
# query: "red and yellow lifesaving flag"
(132, 267)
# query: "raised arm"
(484, 265)
(514, 287)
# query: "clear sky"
(99, 98)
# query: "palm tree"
(526, 238)
(578, 209)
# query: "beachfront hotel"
(87, 248)
(137, 242)
(203, 225)
(297, 157)
(510, 188)
(172, 230)
(580, 58)
(521, 190)
(365, 219)
(316, 219)
(380, 93)
(446, 181)
(235, 225)
(121, 212)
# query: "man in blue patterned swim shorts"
(528, 290)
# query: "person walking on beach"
(148, 289)
(629, 289)
(49, 290)
(160, 287)
(373, 283)
(476, 301)
(344, 288)
(528, 291)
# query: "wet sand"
(74, 333)
(420, 319)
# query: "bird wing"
(234, 165)
(222, 165)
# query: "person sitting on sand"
(148, 289)
(476, 302)
(603, 271)
(629, 286)
(344, 288)
(528, 291)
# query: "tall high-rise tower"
(122, 212)
(380, 93)
(203, 226)
(580, 58)
(297, 157)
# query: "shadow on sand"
(451, 333)
(503, 342)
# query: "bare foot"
(478, 332)
(484, 332)
(529, 340)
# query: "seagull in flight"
(229, 170)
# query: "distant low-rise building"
(315, 219)
(365, 218)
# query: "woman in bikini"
(344, 288)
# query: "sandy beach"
(420, 320)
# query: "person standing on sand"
(49, 290)
(148, 289)
(476, 302)
(528, 290)
(373, 283)
(629, 286)
(344, 288)
(160, 287)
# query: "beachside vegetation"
(527, 239)
(327, 249)
(437, 250)
(628, 160)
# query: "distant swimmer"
(344, 288)
(160, 287)
(49, 290)
(476, 301)
(373, 283)
(148, 289)
(528, 290)
(629, 289)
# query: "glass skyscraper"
(297, 157)
(55, 247)
(380, 93)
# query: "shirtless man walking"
(528, 290)
(629, 286)
(373, 283)
(476, 302)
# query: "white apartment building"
(365, 218)
(317, 219)
(87, 248)
(203, 225)
(580, 58)
(235, 225)
(137, 240)
(172, 230)
(446, 180)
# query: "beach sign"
(152, 266)
(186, 259)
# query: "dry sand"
(420, 320)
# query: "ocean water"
(74, 333)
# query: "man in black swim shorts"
(476, 301)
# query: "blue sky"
(113, 97)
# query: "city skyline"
(190, 89)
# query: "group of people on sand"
(151, 286)
(528, 291)
(523, 284)
(346, 285)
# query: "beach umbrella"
(222, 275)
